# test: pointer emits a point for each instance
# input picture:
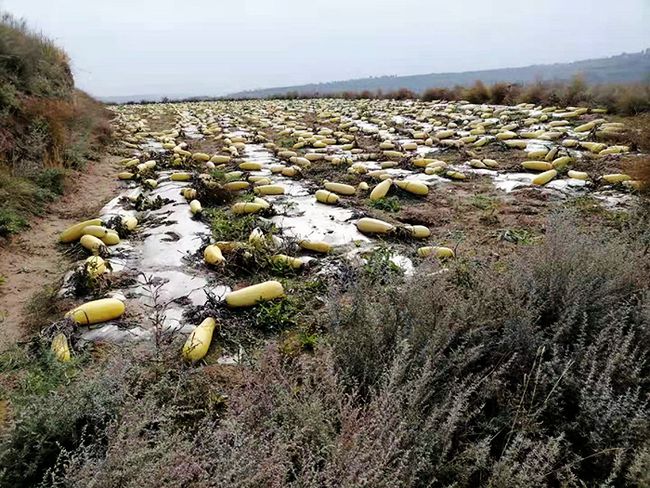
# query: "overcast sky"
(212, 47)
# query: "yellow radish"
(95, 230)
(537, 165)
(237, 185)
(269, 190)
(95, 266)
(97, 311)
(414, 187)
(283, 259)
(199, 340)
(381, 190)
(181, 176)
(340, 188)
(545, 177)
(60, 348)
(130, 223)
(212, 255)
(74, 232)
(316, 246)
(111, 238)
(578, 175)
(195, 207)
(418, 231)
(615, 178)
(324, 196)
(374, 226)
(247, 207)
(251, 295)
(201, 157)
(437, 251)
(250, 166)
(92, 243)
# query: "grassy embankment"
(47, 127)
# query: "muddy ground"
(33, 260)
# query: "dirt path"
(31, 260)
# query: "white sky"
(203, 47)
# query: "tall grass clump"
(532, 374)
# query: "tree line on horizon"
(621, 99)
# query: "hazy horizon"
(193, 48)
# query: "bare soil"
(31, 260)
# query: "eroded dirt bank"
(32, 260)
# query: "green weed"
(296, 342)
(518, 236)
(483, 202)
(226, 227)
(379, 267)
(51, 179)
(387, 204)
(276, 315)
(11, 222)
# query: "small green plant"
(286, 142)
(218, 175)
(13, 359)
(276, 315)
(379, 266)
(315, 285)
(489, 217)
(589, 206)
(39, 370)
(84, 282)
(387, 204)
(231, 177)
(296, 342)
(246, 198)
(518, 236)
(52, 417)
(278, 268)
(11, 222)
(586, 204)
(483, 202)
(51, 179)
(227, 227)
(117, 224)
(44, 307)
(617, 219)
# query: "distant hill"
(623, 68)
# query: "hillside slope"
(624, 68)
(47, 127)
